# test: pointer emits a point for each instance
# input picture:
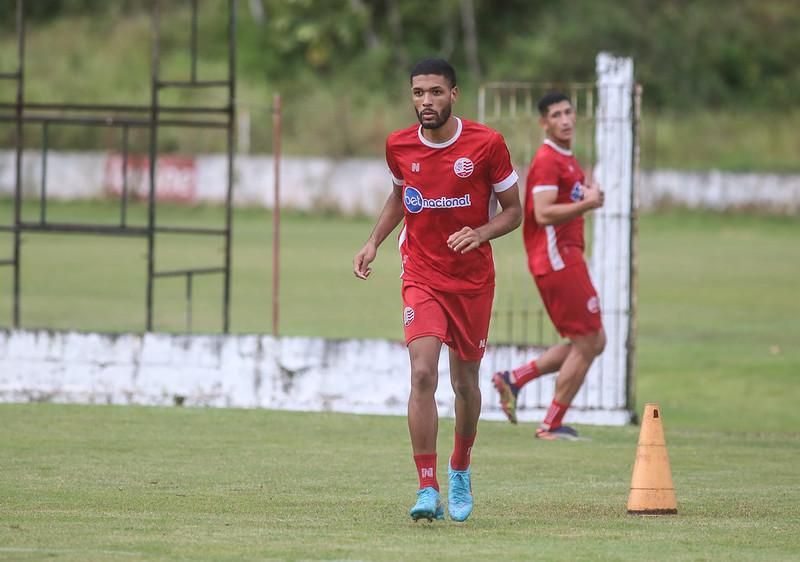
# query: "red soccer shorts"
(571, 300)
(460, 321)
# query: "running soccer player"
(556, 198)
(448, 174)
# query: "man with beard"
(448, 175)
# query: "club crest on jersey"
(463, 167)
(414, 201)
(577, 193)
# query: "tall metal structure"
(126, 117)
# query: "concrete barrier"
(350, 186)
(257, 371)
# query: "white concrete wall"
(252, 371)
(361, 185)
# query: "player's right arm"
(547, 212)
(390, 217)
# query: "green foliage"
(341, 65)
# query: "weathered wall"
(352, 185)
(252, 371)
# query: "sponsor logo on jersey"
(415, 201)
(408, 316)
(577, 193)
(593, 305)
(463, 167)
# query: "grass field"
(717, 348)
(129, 483)
(718, 311)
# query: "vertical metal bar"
(231, 145)
(630, 375)
(43, 192)
(124, 202)
(151, 201)
(18, 157)
(276, 212)
(194, 41)
(189, 302)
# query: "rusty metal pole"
(19, 110)
(276, 213)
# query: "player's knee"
(424, 379)
(464, 387)
(590, 346)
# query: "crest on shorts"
(408, 315)
(463, 167)
(593, 304)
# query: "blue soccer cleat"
(428, 505)
(459, 494)
(563, 432)
(508, 394)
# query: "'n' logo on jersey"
(577, 193)
(463, 167)
(415, 166)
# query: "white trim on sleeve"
(540, 188)
(552, 248)
(396, 181)
(506, 183)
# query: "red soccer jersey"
(553, 247)
(448, 186)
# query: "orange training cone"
(652, 492)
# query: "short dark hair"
(439, 67)
(551, 98)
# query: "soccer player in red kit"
(556, 198)
(448, 175)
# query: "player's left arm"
(467, 239)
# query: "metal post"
(18, 157)
(231, 148)
(43, 193)
(630, 382)
(124, 203)
(276, 212)
(193, 53)
(151, 201)
(189, 302)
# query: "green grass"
(717, 299)
(716, 348)
(734, 141)
(122, 483)
(719, 319)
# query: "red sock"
(555, 414)
(525, 374)
(462, 450)
(426, 471)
